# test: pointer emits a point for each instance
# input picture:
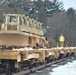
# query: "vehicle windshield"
(12, 18)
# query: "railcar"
(19, 36)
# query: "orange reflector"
(14, 53)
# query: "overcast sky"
(69, 3)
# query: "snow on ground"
(67, 69)
(64, 68)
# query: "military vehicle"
(19, 30)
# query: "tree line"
(50, 12)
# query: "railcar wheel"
(30, 65)
(53, 59)
(47, 60)
(8, 68)
(17, 70)
(68, 54)
(73, 54)
(61, 56)
(37, 64)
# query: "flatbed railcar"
(19, 36)
(14, 58)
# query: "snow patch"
(68, 69)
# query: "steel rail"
(40, 67)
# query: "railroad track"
(28, 71)
(40, 67)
